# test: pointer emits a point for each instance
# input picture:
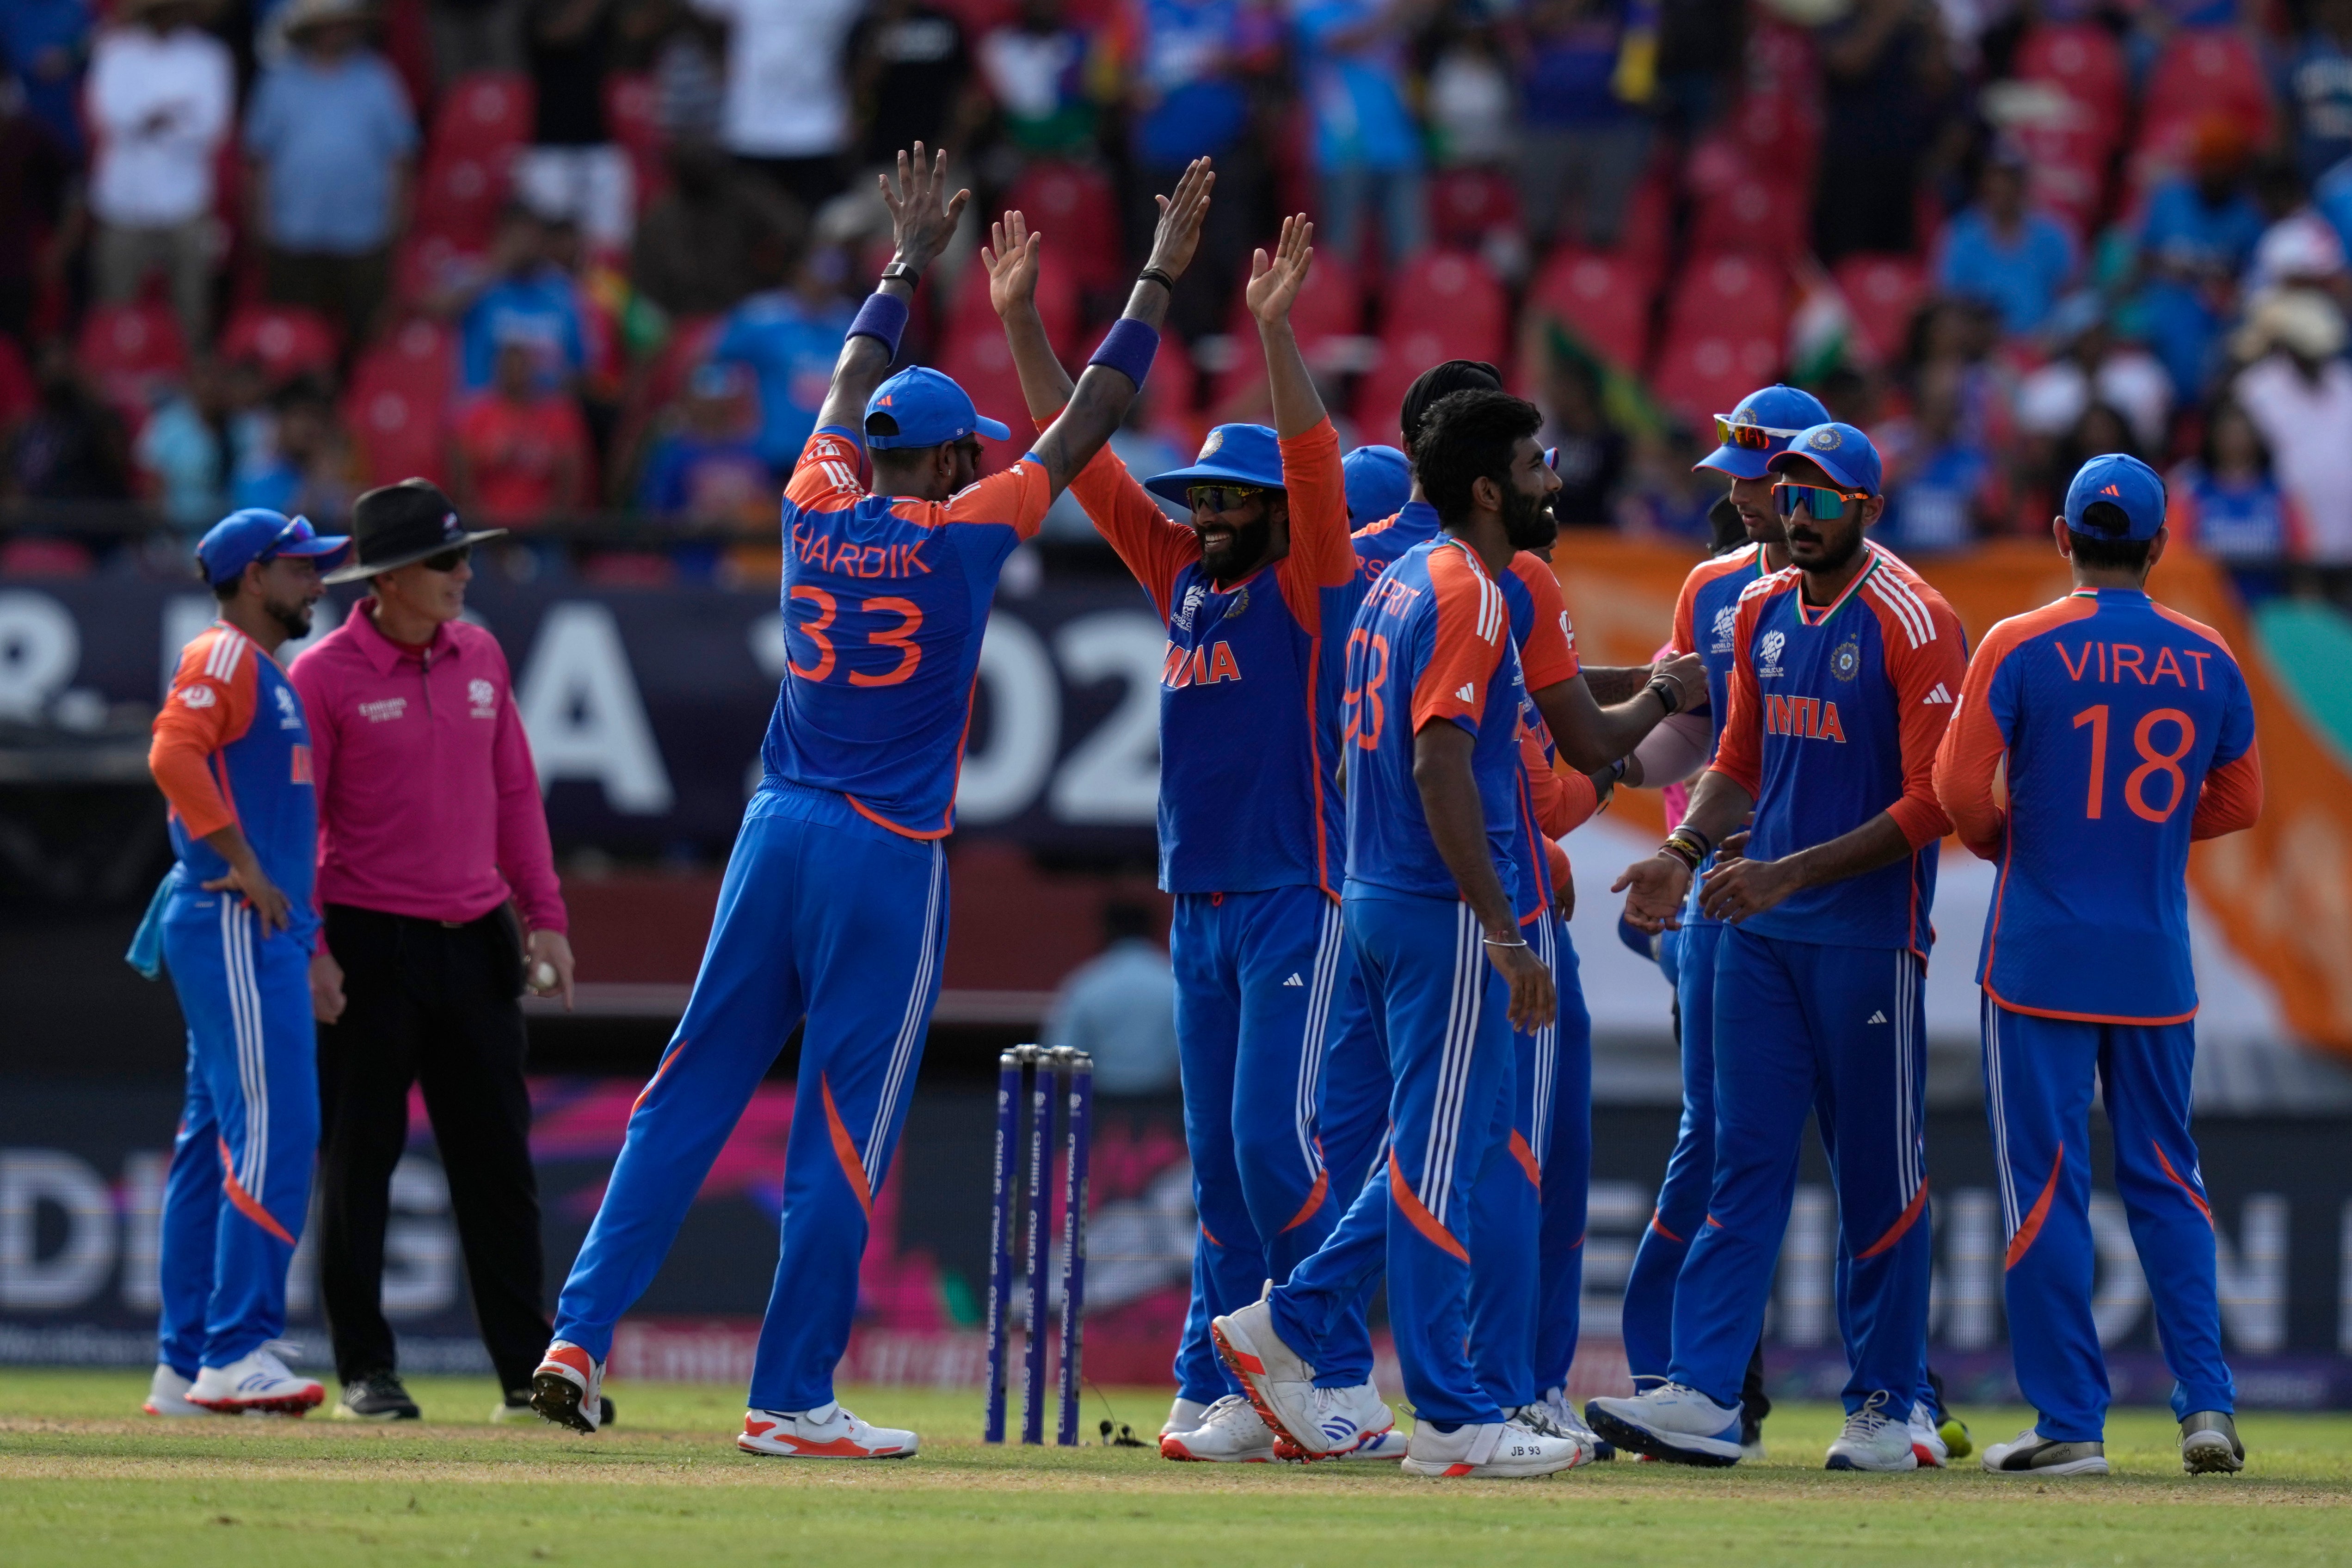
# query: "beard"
(1835, 553)
(293, 616)
(1244, 554)
(1529, 521)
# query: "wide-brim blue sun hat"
(1233, 455)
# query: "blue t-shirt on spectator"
(2318, 85)
(1933, 507)
(1360, 118)
(790, 350)
(329, 135)
(2022, 280)
(38, 37)
(1185, 51)
(2183, 230)
(1566, 81)
(693, 476)
(541, 309)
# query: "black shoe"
(518, 1406)
(378, 1396)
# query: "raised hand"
(922, 216)
(1180, 217)
(1011, 256)
(1274, 283)
(1654, 890)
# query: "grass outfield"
(84, 1478)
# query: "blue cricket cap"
(2123, 482)
(1379, 482)
(1762, 425)
(930, 411)
(257, 533)
(1233, 455)
(1844, 453)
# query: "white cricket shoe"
(2209, 1444)
(1347, 1421)
(828, 1432)
(1873, 1441)
(568, 1389)
(2031, 1454)
(1231, 1432)
(1496, 1449)
(1183, 1415)
(168, 1394)
(1538, 1418)
(1927, 1445)
(255, 1384)
(1563, 1414)
(1279, 1381)
(1672, 1422)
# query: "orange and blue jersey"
(1706, 613)
(1432, 643)
(2127, 731)
(232, 745)
(1248, 678)
(884, 600)
(1834, 712)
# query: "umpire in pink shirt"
(431, 840)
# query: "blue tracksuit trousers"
(239, 1185)
(1839, 1033)
(1255, 975)
(2038, 1073)
(1649, 1315)
(1562, 1114)
(823, 917)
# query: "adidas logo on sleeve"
(1468, 692)
(1938, 696)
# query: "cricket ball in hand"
(543, 978)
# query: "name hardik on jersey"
(2127, 727)
(884, 601)
(1835, 713)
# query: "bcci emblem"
(1240, 605)
(1209, 447)
(1846, 660)
(289, 713)
(1770, 663)
(1824, 439)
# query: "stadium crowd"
(572, 257)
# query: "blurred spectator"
(1472, 115)
(787, 110)
(44, 45)
(689, 72)
(1942, 490)
(2015, 258)
(1886, 86)
(1040, 69)
(184, 449)
(72, 448)
(790, 334)
(332, 140)
(1702, 45)
(573, 170)
(911, 70)
(1582, 146)
(1351, 69)
(303, 466)
(518, 450)
(1144, 451)
(2318, 89)
(2300, 248)
(2298, 392)
(2090, 366)
(2200, 231)
(162, 99)
(525, 297)
(1188, 99)
(710, 468)
(2225, 503)
(1119, 1008)
(1589, 451)
(693, 251)
(40, 212)
(1661, 498)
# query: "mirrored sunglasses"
(1753, 437)
(1221, 497)
(1823, 503)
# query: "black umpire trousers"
(435, 1004)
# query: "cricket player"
(1844, 671)
(2122, 731)
(236, 925)
(1255, 593)
(834, 909)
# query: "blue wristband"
(1127, 347)
(882, 316)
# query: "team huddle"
(1375, 729)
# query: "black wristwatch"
(901, 269)
(1670, 696)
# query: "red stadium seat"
(1752, 215)
(1466, 206)
(425, 264)
(1884, 293)
(1779, 136)
(1452, 294)
(971, 314)
(982, 363)
(2083, 61)
(420, 354)
(1726, 334)
(286, 340)
(631, 114)
(19, 394)
(486, 112)
(1076, 208)
(1602, 298)
(130, 350)
(1646, 240)
(1403, 356)
(1330, 307)
(459, 196)
(401, 432)
(2210, 71)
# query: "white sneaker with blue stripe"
(1670, 1422)
(1873, 1441)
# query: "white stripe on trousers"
(1907, 1087)
(1328, 948)
(910, 1028)
(1999, 1107)
(1454, 1064)
(252, 1165)
(1547, 1040)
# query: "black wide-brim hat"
(398, 525)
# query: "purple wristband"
(882, 316)
(1127, 347)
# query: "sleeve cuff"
(1922, 822)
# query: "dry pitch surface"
(85, 1478)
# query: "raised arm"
(1274, 287)
(1011, 256)
(923, 220)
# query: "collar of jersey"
(2099, 592)
(1809, 616)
